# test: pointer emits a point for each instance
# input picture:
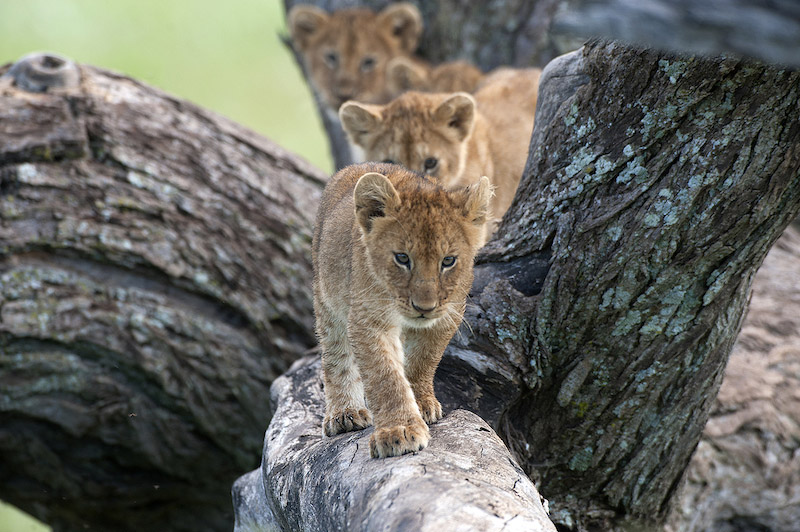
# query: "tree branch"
(154, 280)
(766, 31)
(657, 189)
(314, 483)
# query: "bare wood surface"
(768, 31)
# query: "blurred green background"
(224, 56)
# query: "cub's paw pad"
(346, 420)
(397, 440)
(430, 409)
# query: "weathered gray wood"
(769, 31)
(464, 480)
(153, 282)
(250, 505)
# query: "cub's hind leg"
(345, 409)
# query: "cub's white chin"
(420, 323)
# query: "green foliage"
(225, 56)
(14, 520)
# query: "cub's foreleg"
(345, 409)
(399, 427)
(424, 349)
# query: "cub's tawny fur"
(393, 255)
(455, 137)
(346, 52)
(412, 74)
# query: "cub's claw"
(430, 408)
(346, 420)
(397, 440)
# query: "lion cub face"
(421, 244)
(424, 132)
(346, 52)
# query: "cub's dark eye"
(367, 64)
(403, 260)
(430, 163)
(448, 262)
(389, 161)
(331, 59)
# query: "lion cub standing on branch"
(393, 256)
(454, 137)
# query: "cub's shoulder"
(505, 80)
(412, 74)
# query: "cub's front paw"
(397, 440)
(430, 409)
(346, 420)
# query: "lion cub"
(393, 256)
(346, 52)
(411, 74)
(454, 137)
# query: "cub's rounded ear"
(403, 74)
(405, 23)
(374, 193)
(304, 22)
(457, 112)
(360, 121)
(477, 201)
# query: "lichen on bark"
(658, 188)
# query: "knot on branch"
(43, 72)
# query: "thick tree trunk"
(154, 280)
(657, 189)
(745, 472)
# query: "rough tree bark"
(656, 189)
(153, 282)
(745, 472)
